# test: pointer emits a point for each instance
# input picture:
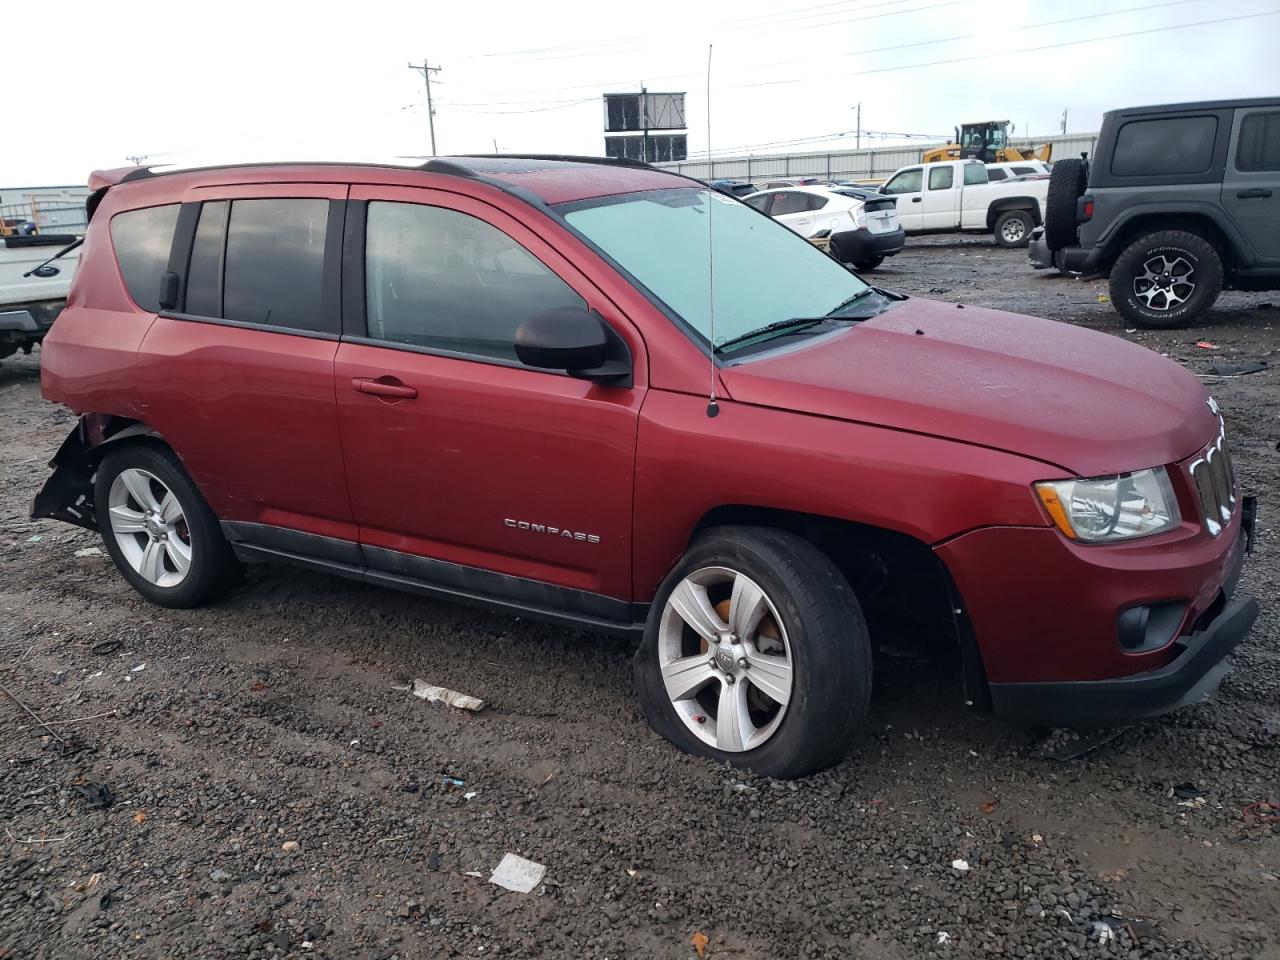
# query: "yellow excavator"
(987, 141)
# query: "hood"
(1087, 402)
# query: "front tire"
(1013, 229)
(158, 529)
(1166, 279)
(756, 653)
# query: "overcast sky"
(193, 83)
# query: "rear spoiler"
(100, 181)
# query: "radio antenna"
(713, 408)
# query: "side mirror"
(576, 341)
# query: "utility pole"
(644, 123)
(137, 159)
(1064, 121)
(859, 140)
(427, 70)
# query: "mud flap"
(68, 493)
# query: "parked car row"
(1005, 199)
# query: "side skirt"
(438, 579)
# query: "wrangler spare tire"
(1066, 184)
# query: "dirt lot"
(274, 719)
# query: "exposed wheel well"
(904, 588)
(68, 493)
(1025, 204)
(1199, 224)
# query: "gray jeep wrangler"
(1179, 202)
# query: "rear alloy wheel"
(1013, 229)
(756, 653)
(158, 529)
(1166, 279)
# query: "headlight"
(1102, 509)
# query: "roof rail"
(561, 157)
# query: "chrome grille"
(1216, 484)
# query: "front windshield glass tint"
(763, 272)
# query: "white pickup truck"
(956, 195)
(32, 291)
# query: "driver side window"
(444, 280)
(908, 181)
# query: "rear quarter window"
(141, 240)
(1259, 147)
(1164, 147)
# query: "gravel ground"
(275, 794)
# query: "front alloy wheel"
(755, 652)
(726, 662)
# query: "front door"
(1251, 184)
(464, 465)
(940, 200)
(906, 186)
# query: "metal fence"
(871, 163)
(52, 214)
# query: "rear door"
(1251, 182)
(240, 374)
(793, 209)
(475, 470)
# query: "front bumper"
(1191, 677)
(1053, 628)
(856, 246)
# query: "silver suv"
(1179, 203)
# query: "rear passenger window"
(1178, 145)
(977, 173)
(444, 280)
(792, 201)
(274, 263)
(204, 273)
(1259, 146)
(941, 178)
(141, 239)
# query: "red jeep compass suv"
(612, 397)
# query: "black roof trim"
(561, 158)
(1198, 105)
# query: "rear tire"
(1067, 182)
(158, 529)
(810, 615)
(1013, 229)
(1166, 279)
(869, 264)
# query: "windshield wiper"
(852, 300)
(791, 323)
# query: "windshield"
(763, 272)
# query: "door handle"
(915, 199)
(1253, 193)
(384, 387)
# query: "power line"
(1007, 53)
